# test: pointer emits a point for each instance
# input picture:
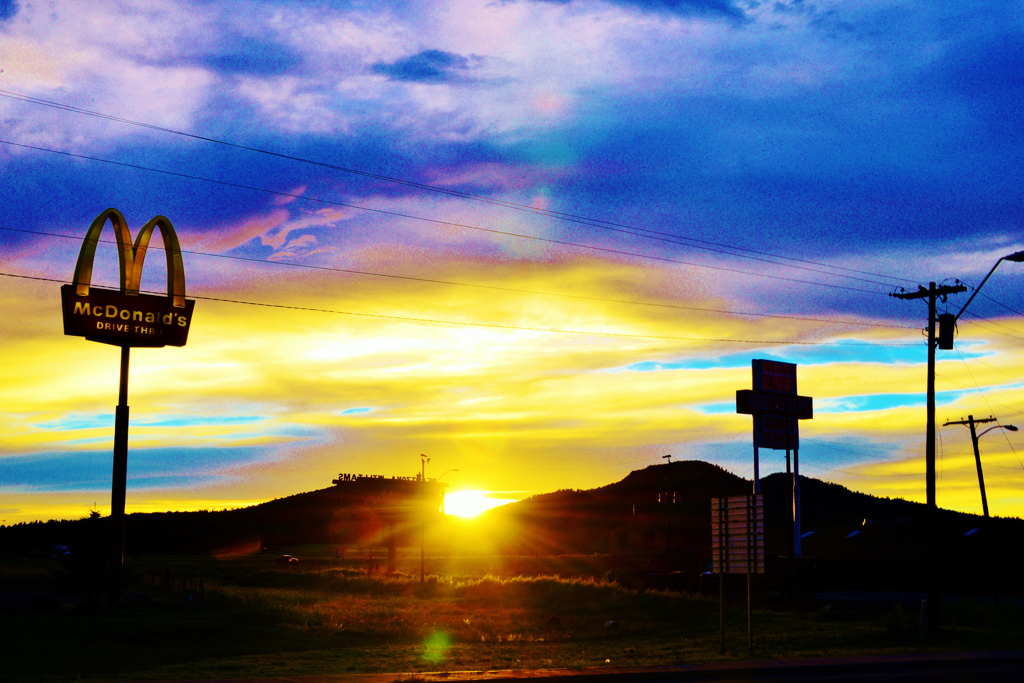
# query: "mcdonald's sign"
(126, 317)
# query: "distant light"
(1010, 427)
(853, 533)
(971, 532)
(806, 534)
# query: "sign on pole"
(737, 547)
(126, 318)
(737, 535)
(777, 409)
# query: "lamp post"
(989, 542)
(423, 511)
(1016, 257)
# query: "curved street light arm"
(1016, 257)
(1010, 428)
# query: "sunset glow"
(472, 503)
(446, 229)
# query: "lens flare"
(435, 647)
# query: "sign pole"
(751, 568)
(797, 530)
(723, 563)
(125, 318)
(737, 545)
(119, 483)
(757, 469)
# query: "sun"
(472, 503)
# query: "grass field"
(254, 618)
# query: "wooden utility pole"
(931, 294)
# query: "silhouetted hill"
(667, 506)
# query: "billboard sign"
(112, 317)
(125, 317)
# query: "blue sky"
(518, 236)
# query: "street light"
(971, 422)
(1016, 257)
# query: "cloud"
(257, 58)
(429, 66)
(684, 7)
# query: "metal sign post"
(126, 318)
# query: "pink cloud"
(231, 236)
(282, 200)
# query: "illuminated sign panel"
(111, 317)
(772, 375)
(126, 317)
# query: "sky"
(538, 241)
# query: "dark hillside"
(655, 519)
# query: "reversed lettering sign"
(126, 317)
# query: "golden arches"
(132, 257)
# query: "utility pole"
(970, 422)
(931, 293)
(989, 542)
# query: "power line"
(993, 323)
(999, 303)
(435, 221)
(434, 321)
(488, 287)
(583, 220)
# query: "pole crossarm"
(923, 292)
(966, 423)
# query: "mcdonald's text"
(113, 317)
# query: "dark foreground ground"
(991, 667)
(192, 618)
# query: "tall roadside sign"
(126, 318)
(777, 409)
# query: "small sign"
(737, 534)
